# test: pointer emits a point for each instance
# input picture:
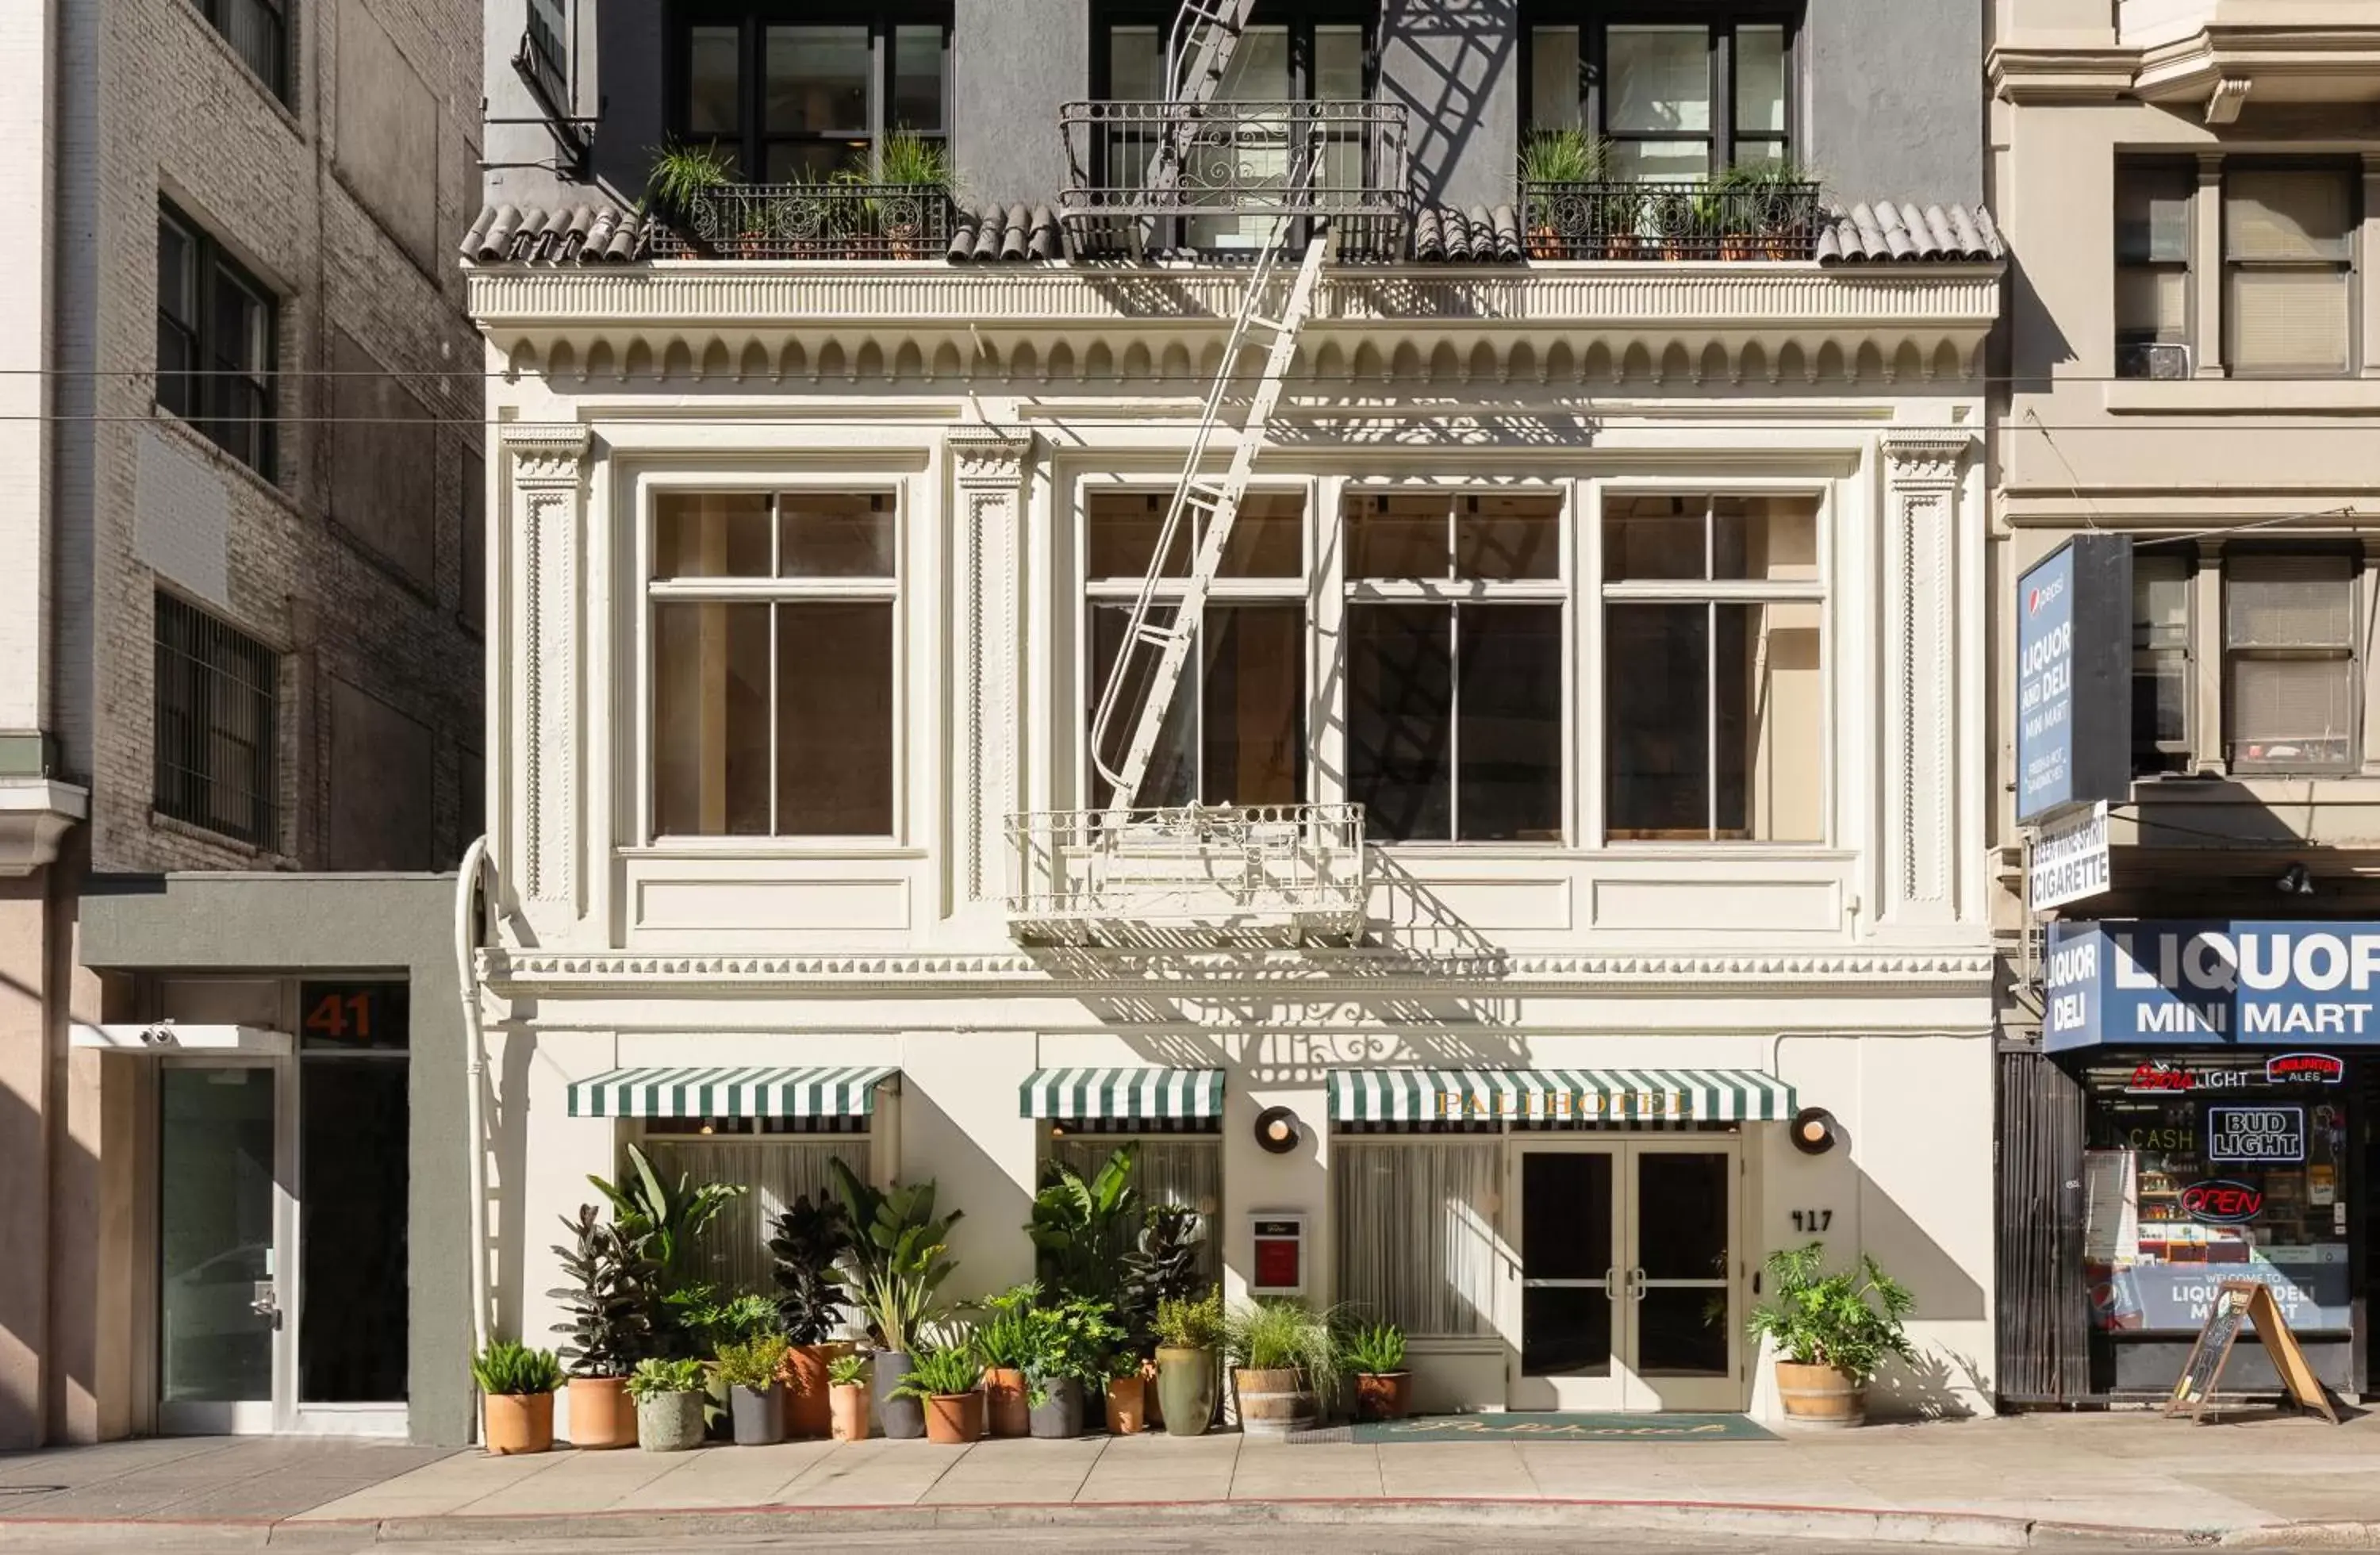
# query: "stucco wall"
(1896, 98)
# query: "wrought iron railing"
(813, 222)
(1619, 220)
(1204, 175)
(1089, 876)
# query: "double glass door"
(1625, 1283)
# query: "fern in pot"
(1375, 1354)
(681, 185)
(1833, 1332)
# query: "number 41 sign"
(358, 1015)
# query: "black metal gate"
(2044, 1304)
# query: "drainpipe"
(468, 884)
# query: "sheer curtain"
(1416, 1232)
(734, 1254)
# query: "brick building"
(242, 488)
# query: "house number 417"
(1813, 1219)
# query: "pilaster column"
(548, 467)
(2206, 270)
(2367, 274)
(1924, 472)
(987, 465)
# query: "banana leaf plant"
(1085, 1230)
(898, 1263)
(665, 1218)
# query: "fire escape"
(1280, 189)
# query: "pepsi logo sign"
(2223, 1202)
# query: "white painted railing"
(1222, 870)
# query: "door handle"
(1635, 1284)
(266, 1303)
(1611, 1284)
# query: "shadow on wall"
(967, 1178)
(1454, 52)
(507, 1113)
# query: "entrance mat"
(1564, 1426)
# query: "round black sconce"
(1278, 1131)
(1814, 1131)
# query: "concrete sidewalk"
(2035, 1480)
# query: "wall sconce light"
(1278, 1131)
(1814, 1131)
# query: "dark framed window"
(1680, 90)
(2153, 221)
(218, 695)
(218, 336)
(258, 31)
(2163, 678)
(1291, 51)
(2288, 267)
(802, 96)
(2292, 677)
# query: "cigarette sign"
(2255, 1134)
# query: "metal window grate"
(218, 692)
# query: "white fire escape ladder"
(1215, 504)
(1198, 54)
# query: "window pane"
(2287, 320)
(1120, 534)
(1766, 538)
(1339, 64)
(1268, 539)
(1510, 736)
(1253, 704)
(1260, 68)
(2161, 587)
(711, 720)
(177, 287)
(1399, 724)
(1771, 717)
(818, 80)
(2291, 713)
(1656, 729)
(2152, 213)
(2151, 303)
(2287, 213)
(1553, 77)
(1415, 1233)
(917, 73)
(2289, 601)
(1133, 66)
(1502, 538)
(713, 77)
(1397, 536)
(834, 719)
(1647, 538)
(710, 534)
(242, 327)
(1659, 161)
(1760, 81)
(1171, 777)
(813, 162)
(823, 534)
(1658, 79)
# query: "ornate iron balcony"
(813, 222)
(1616, 220)
(1142, 175)
(1213, 872)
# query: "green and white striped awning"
(731, 1093)
(1587, 1095)
(1138, 1093)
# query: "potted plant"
(846, 1384)
(1558, 213)
(1783, 202)
(610, 1307)
(1375, 1353)
(1073, 1342)
(1672, 213)
(665, 1219)
(750, 1369)
(892, 1271)
(910, 171)
(1127, 1393)
(1162, 1266)
(516, 1387)
(1188, 1334)
(1084, 1229)
(811, 1237)
(679, 187)
(1007, 1341)
(669, 1404)
(1286, 1365)
(947, 1382)
(1832, 1332)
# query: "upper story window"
(2153, 217)
(258, 31)
(1679, 90)
(802, 99)
(218, 692)
(1294, 50)
(775, 663)
(2162, 675)
(217, 340)
(1713, 708)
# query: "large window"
(1454, 647)
(1235, 731)
(1714, 709)
(217, 336)
(1416, 1230)
(2162, 679)
(2152, 220)
(803, 99)
(2291, 686)
(218, 693)
(2289, 264)
(775, 663)
(258, 31)
(1682, 91)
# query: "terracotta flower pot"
(847, 1411)
(954, 1419)
(517, 1423)
(1185, 1385)
(801, 1378)
(1383, 1395)
(1820, 1397)
(1128, 1404)
(1007, 1400)
(601, 1415)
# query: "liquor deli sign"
(2074, 676)
(2268, 984)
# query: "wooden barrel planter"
(1820, 1397)
(1273, 1403)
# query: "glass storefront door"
(1626, 1286)
(222, 1208)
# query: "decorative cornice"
(561, 973)
(2088, 74)
(1924, 456)
(545, 452)
(988, 455)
